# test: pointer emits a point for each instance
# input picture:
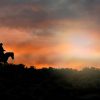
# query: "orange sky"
(44, 34)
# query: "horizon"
(52, 33)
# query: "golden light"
(81, 45)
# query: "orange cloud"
(49, 43)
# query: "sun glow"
(81, 45)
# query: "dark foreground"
(18, 82)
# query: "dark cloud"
(14, 2)
(37, 13)
(69, 8)
(22, 13)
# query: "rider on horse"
(4, 56)
(1, 51)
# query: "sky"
(52, 33)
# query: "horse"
(4, 59)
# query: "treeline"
(19, 82)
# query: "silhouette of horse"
(6, 56)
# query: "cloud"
(31, 13)
(37, 30)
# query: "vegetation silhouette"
(19, 82)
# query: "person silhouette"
(1, 50)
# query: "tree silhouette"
(20, 82)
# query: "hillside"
(20, 82)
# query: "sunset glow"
(57, 33)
